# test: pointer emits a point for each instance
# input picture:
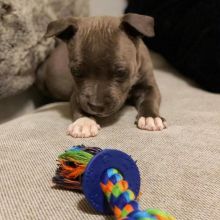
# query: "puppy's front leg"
(147, 101)
(82, 126)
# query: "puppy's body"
(102, 64)
(54, 77)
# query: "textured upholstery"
(180, 166)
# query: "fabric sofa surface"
(179, 166)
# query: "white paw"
(83, 128)
(151, 124)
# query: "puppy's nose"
(96, 107)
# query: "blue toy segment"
(113, 200)
(93, 175)
(116, 178)
(141, 214)
(123, 199)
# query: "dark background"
(187, 34)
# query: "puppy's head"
(103, 57)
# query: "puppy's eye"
(121, 75)
(76, 72)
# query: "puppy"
(100, 63)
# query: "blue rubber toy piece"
(96, 168)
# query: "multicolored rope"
(71, 167)
(123, 202)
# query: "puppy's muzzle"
(98, 108)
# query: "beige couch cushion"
(180, 166)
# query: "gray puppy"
(100, 64)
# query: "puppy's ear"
(63, 29)
(138, 25)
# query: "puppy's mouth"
(103, 111)
(102, 114)
(99, 114)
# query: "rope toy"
(110, 180)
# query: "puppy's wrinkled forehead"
(102, 26)
(101, 37)
(96, 38)
(136, 25)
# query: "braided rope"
(122, 199)
(71, 167)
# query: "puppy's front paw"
(83, 128)
(151, 124)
